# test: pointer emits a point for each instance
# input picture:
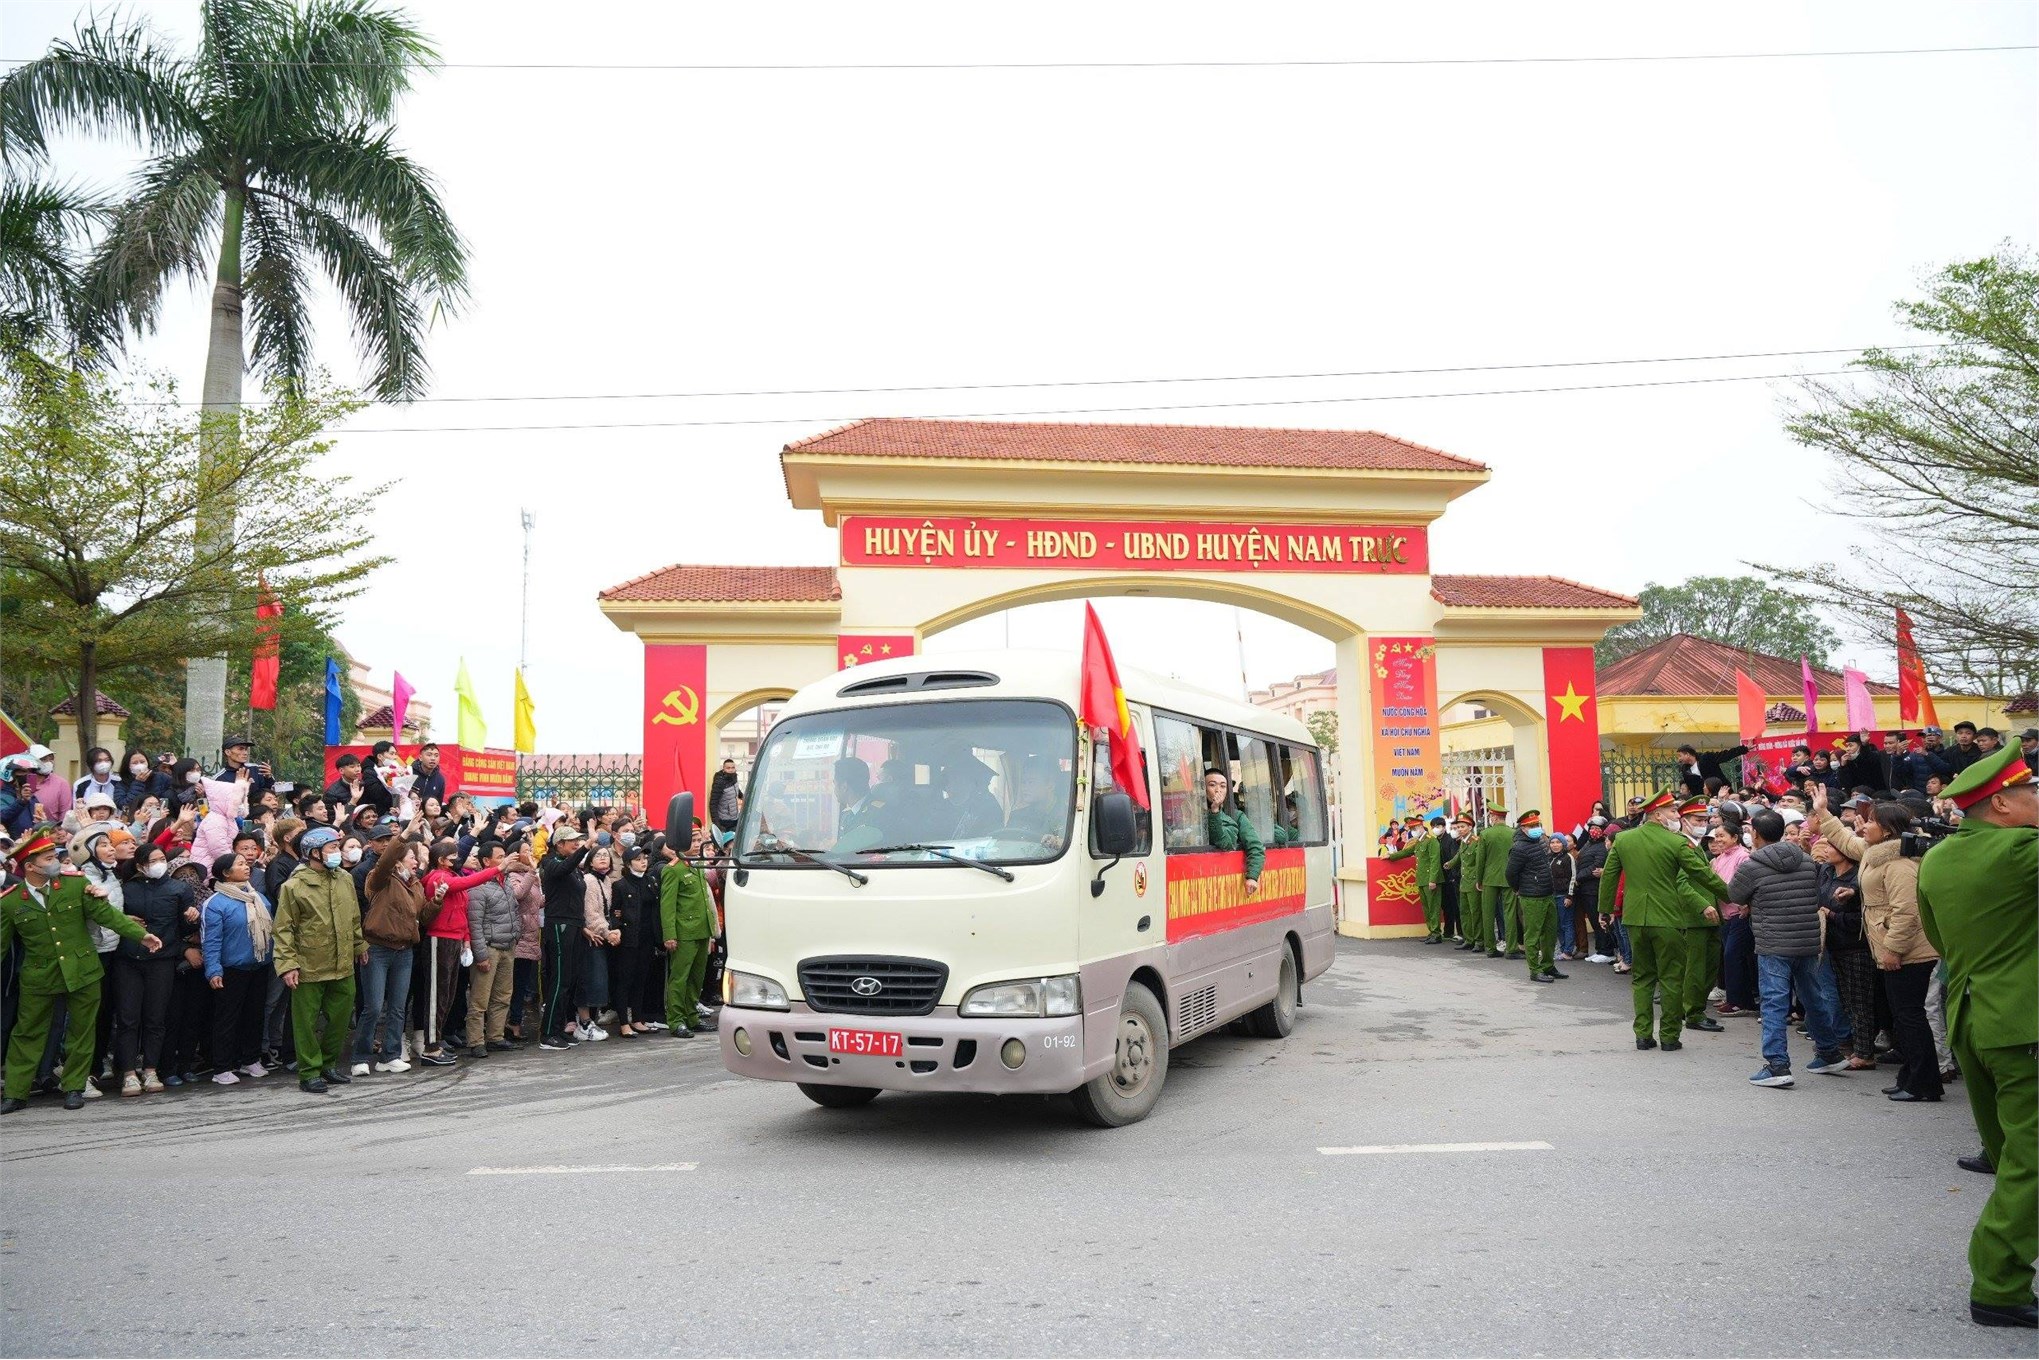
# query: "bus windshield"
(989, 780)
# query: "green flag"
(474, 733)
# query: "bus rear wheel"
(1126, 1093)
(838, 1097)
(1277, 1018)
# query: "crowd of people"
(166, 925)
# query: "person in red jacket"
(445, 938)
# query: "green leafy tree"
(1323, 725)
(269, 162)
(99, 543)
(1936, 454)
(1740, 611)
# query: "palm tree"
(42, 297)
(269, 161)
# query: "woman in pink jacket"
(226, 802)
(445, 940)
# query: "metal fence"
(1625, 775)
(572, 781)
(1478, 779)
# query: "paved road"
(1677, 1210)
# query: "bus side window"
(1180, 752)
(1101, 782)
(1306, 787)
(1256, 786)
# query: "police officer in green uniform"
(1227, 827)
(1656, 860)
(1528, 873)
(686, 914)
(1472, 927)
(1496, 903)
(1702, 929)
(1977, 894)
(47, 912)
(1429, 875)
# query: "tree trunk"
(205, 678)
(88, 697)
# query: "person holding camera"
(1888, 881)
(1976, 890)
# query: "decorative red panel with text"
(1207, 891)
(675, 726)
(1391, 895)
(1135, 545)
(855, 649)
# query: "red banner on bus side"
(1207, 891)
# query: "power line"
(1124, 382)
(1235, 64)
(1088, 411)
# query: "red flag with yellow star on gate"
(1104, 706)
(1572, 734)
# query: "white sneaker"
(255, 1071)
(393, 1065)
(1600, 958)
(225, 1079)
(1717, 994)
(594, 1033)
(358, 1070)
(92, 1092)
(607, 1017)
(651, 1024)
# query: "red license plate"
(868, 1043)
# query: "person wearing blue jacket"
(234, 935)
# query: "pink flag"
(1812, 696)
(399, 699)
(1861, 709)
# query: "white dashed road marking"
(1382, 1148)
(576, 1170)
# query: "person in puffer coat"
(1779, 883)
(493, 925)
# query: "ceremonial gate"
(940, 522)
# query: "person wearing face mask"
(137, 781)
(237, 941)
(318, 942)
(1587, 869)
(1474, 931)
(100, 777)
(1650, 864)
(1737, 938)
(94, 853)
(165, 907)
(185, 785)
(18, 807)
(633, 917)
(601, 937)
(493, 926)
(392, 925)
(1702, 927)
(49, 913)
(47, 788)
(1429, 859)
(446, 891)
(1528, 876)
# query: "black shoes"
(499, 1046)
(1517, 954)
(314, 1086)
(1910, 1096)
(1892, 1090)
(1544, 978)
(1495, 954)
(1467, 947)
(480, 1051)
(2003, 1314)
(1554, 975)
(1644, 1044)
(336, 1077)
(74, 1100)
(11, 1106)
(1710, 1026)
(1979, 1163)
(679, 1032)
(1672, 1045)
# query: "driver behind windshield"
(857, 823)
(973, 811)
(1039, 812)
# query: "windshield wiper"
(815, 857)
(944, 852)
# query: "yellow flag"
(474, 730)
(527, 727)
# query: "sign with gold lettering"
(1207, 891)
(1127, 545)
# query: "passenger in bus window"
(859, 808)
(1228, 828)
(972, 809)
(1286, 823)
(1038, 814)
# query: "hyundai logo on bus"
(867, 986)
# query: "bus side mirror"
(680, 823)
(1118, 834)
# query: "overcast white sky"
(662, 231)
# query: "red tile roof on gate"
(1522, 592)
(101, 705)
(1171, 445)
(1683, 664)
(386, 716)
(686, 583)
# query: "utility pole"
(1239, 633)
(524, 627)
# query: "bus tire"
(838, 1097)
(1277, 1019)
(1129, 1091)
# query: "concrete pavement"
(1676, 1211)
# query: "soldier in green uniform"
(1977, 891)
(686, 914)
(1429, 874)
(1472, 927)
(1702, 931)
(1227, 827)
(1529, 882)
(1496, 903)
(1655, 859)
(47, 912)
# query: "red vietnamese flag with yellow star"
(1572, 734)
(1104, 706)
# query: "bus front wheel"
(1126, 1093)
(838, 1097)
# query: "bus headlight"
(756, 993)
(1031, 997)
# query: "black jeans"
(186, 1043)
(1906, 988)
(237, 1007)
(522, 991)
(144, 991)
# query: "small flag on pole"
(1750, 703)
(1104, 705)
(268, 660)
(1812, 696)
(1914, 700)
(400, 693)
(525, 738)
(1861, 708)
(332, 702)
(474, 731)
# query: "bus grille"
(844, 984)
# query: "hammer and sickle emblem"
(680, 708)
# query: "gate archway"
(941, 522)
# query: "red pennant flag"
(1750, 704)
(1914, 700)
(262, 679)
(1104, 706)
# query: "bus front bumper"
(938, 1052)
